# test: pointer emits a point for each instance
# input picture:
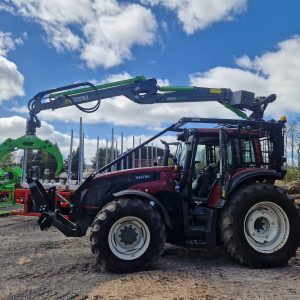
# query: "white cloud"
(199, 14)
(102, 31)
(163, 82)
(111, 37)
(14, 127)
(6, 43)
(273, 72)
(62, 38)
(11, 80)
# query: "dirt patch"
(157, 285)
(23, 261)
(47, 265)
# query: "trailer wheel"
(260, 226)
(127, 235)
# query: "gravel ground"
(47, 265)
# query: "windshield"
(180, 153)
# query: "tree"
(43, 160)
(101, 157)
(293, 139)
(74, 166)
(7, 161)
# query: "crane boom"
(142, 91)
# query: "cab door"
(226, 158)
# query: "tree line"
(292, 150)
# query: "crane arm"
(142, 91)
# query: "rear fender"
(246, 177)
(150, 199)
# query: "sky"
(252, 45)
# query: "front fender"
(149, 198)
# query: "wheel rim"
(129, 238)
(266, 227)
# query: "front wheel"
(127, 235)
(260, 226)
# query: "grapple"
(30, 141)
(14, 172)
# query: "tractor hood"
(151, 180)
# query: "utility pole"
(140, 155)
(79, 178)
(69, 175)
(112, 146)
(122, 150)
(133, 154)
(97, 155)
(24, 165)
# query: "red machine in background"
(23, 196)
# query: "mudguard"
(149, 198)
(246, 176)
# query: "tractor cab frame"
(222, 158)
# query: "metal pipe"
(82, 155)
(106, 153)
(133, 154)
(69, 175)
(173, 127)
(152, 154)
(140, 155)
(97, 155)
(122, 150)
(116, 154)
(112, 145)
(147, 155)
(24, 165)
(79, 178)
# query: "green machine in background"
(34, 143)
(11, 176)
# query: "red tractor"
(219, 189)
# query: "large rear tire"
(260, 226)
(127, 235)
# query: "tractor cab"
(213, 160)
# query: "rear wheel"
(260, 226)
(127, 235)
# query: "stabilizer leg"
(50, 215)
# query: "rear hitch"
(50, 215)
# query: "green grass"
(292, 175)
(5, 204)
(4, 213)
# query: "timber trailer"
(232, 201)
